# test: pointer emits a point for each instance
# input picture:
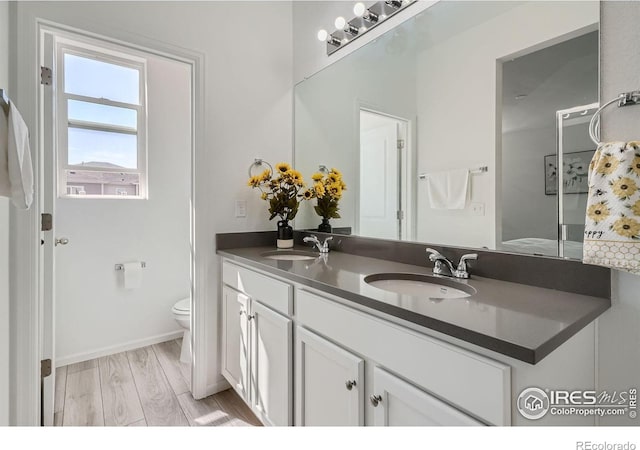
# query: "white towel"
(448, 190)
(612, 223)
(132, 275)
(16, 171)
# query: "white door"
(329, 383)
(385, 187)
(235, 340)
(48, 247)
(271, 365)
(379, 182)
(398, 403)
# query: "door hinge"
(400, 144)
(45, 75)
(400, 215)
(46, 222)
(45, 368)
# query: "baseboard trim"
(106, 351)
(219, 386)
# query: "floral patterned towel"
(612, 226)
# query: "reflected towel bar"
(481, 169)
(121, 266)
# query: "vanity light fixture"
(365, 20)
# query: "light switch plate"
(241, 208)
(477, 209)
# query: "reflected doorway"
(384, 188)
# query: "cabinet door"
(235, 340)
(399, 403)
(329, 383)
(271, 365)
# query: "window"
(101, 122)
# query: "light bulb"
(322, 35)
(340, 23)
(359, 9)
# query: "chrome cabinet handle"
(350, 384)
(375, 399)
(251, 317)
(242, 312)
(61, 241)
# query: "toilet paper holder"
(121, 266)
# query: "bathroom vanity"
(307, 341)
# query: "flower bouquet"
(283, 191)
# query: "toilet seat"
(182, 307)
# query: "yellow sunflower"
(308, 195)
(598, 212)
(335, 189)
(263, 196)
(266, 175)
(254, 181)
(297, 177)
(319, 189)
(627, 227)
(624, 188)
(635, 166)
(283, 168)
(634, 145)
(607, 164)
(336, 172)
(317, 176)
(333, 177)
(636, 208)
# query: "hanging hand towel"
(16, 171)
(612, 224)
(448, 190)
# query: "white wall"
(462, 85)
(619, 328)
(4, 237)
(94, 313)
(246, 95)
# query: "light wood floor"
(144, 387)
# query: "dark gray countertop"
(520, 321)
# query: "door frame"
(29, 317)
(408, 184)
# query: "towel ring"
(257, 163)
(624, 99)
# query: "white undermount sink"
(418, 285)
(289, 255)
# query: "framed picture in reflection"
(575, 171)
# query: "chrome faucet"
(323, 247)
(442, 266)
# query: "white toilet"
(182, 313)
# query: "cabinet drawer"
(273, 293)
(472, 382)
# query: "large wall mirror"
(467, 125)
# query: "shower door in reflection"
(575, 149)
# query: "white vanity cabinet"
(436, 383)
(257, 342)
(400, 403)
(329, 383)
(235, 340)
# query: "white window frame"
(110, 54)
